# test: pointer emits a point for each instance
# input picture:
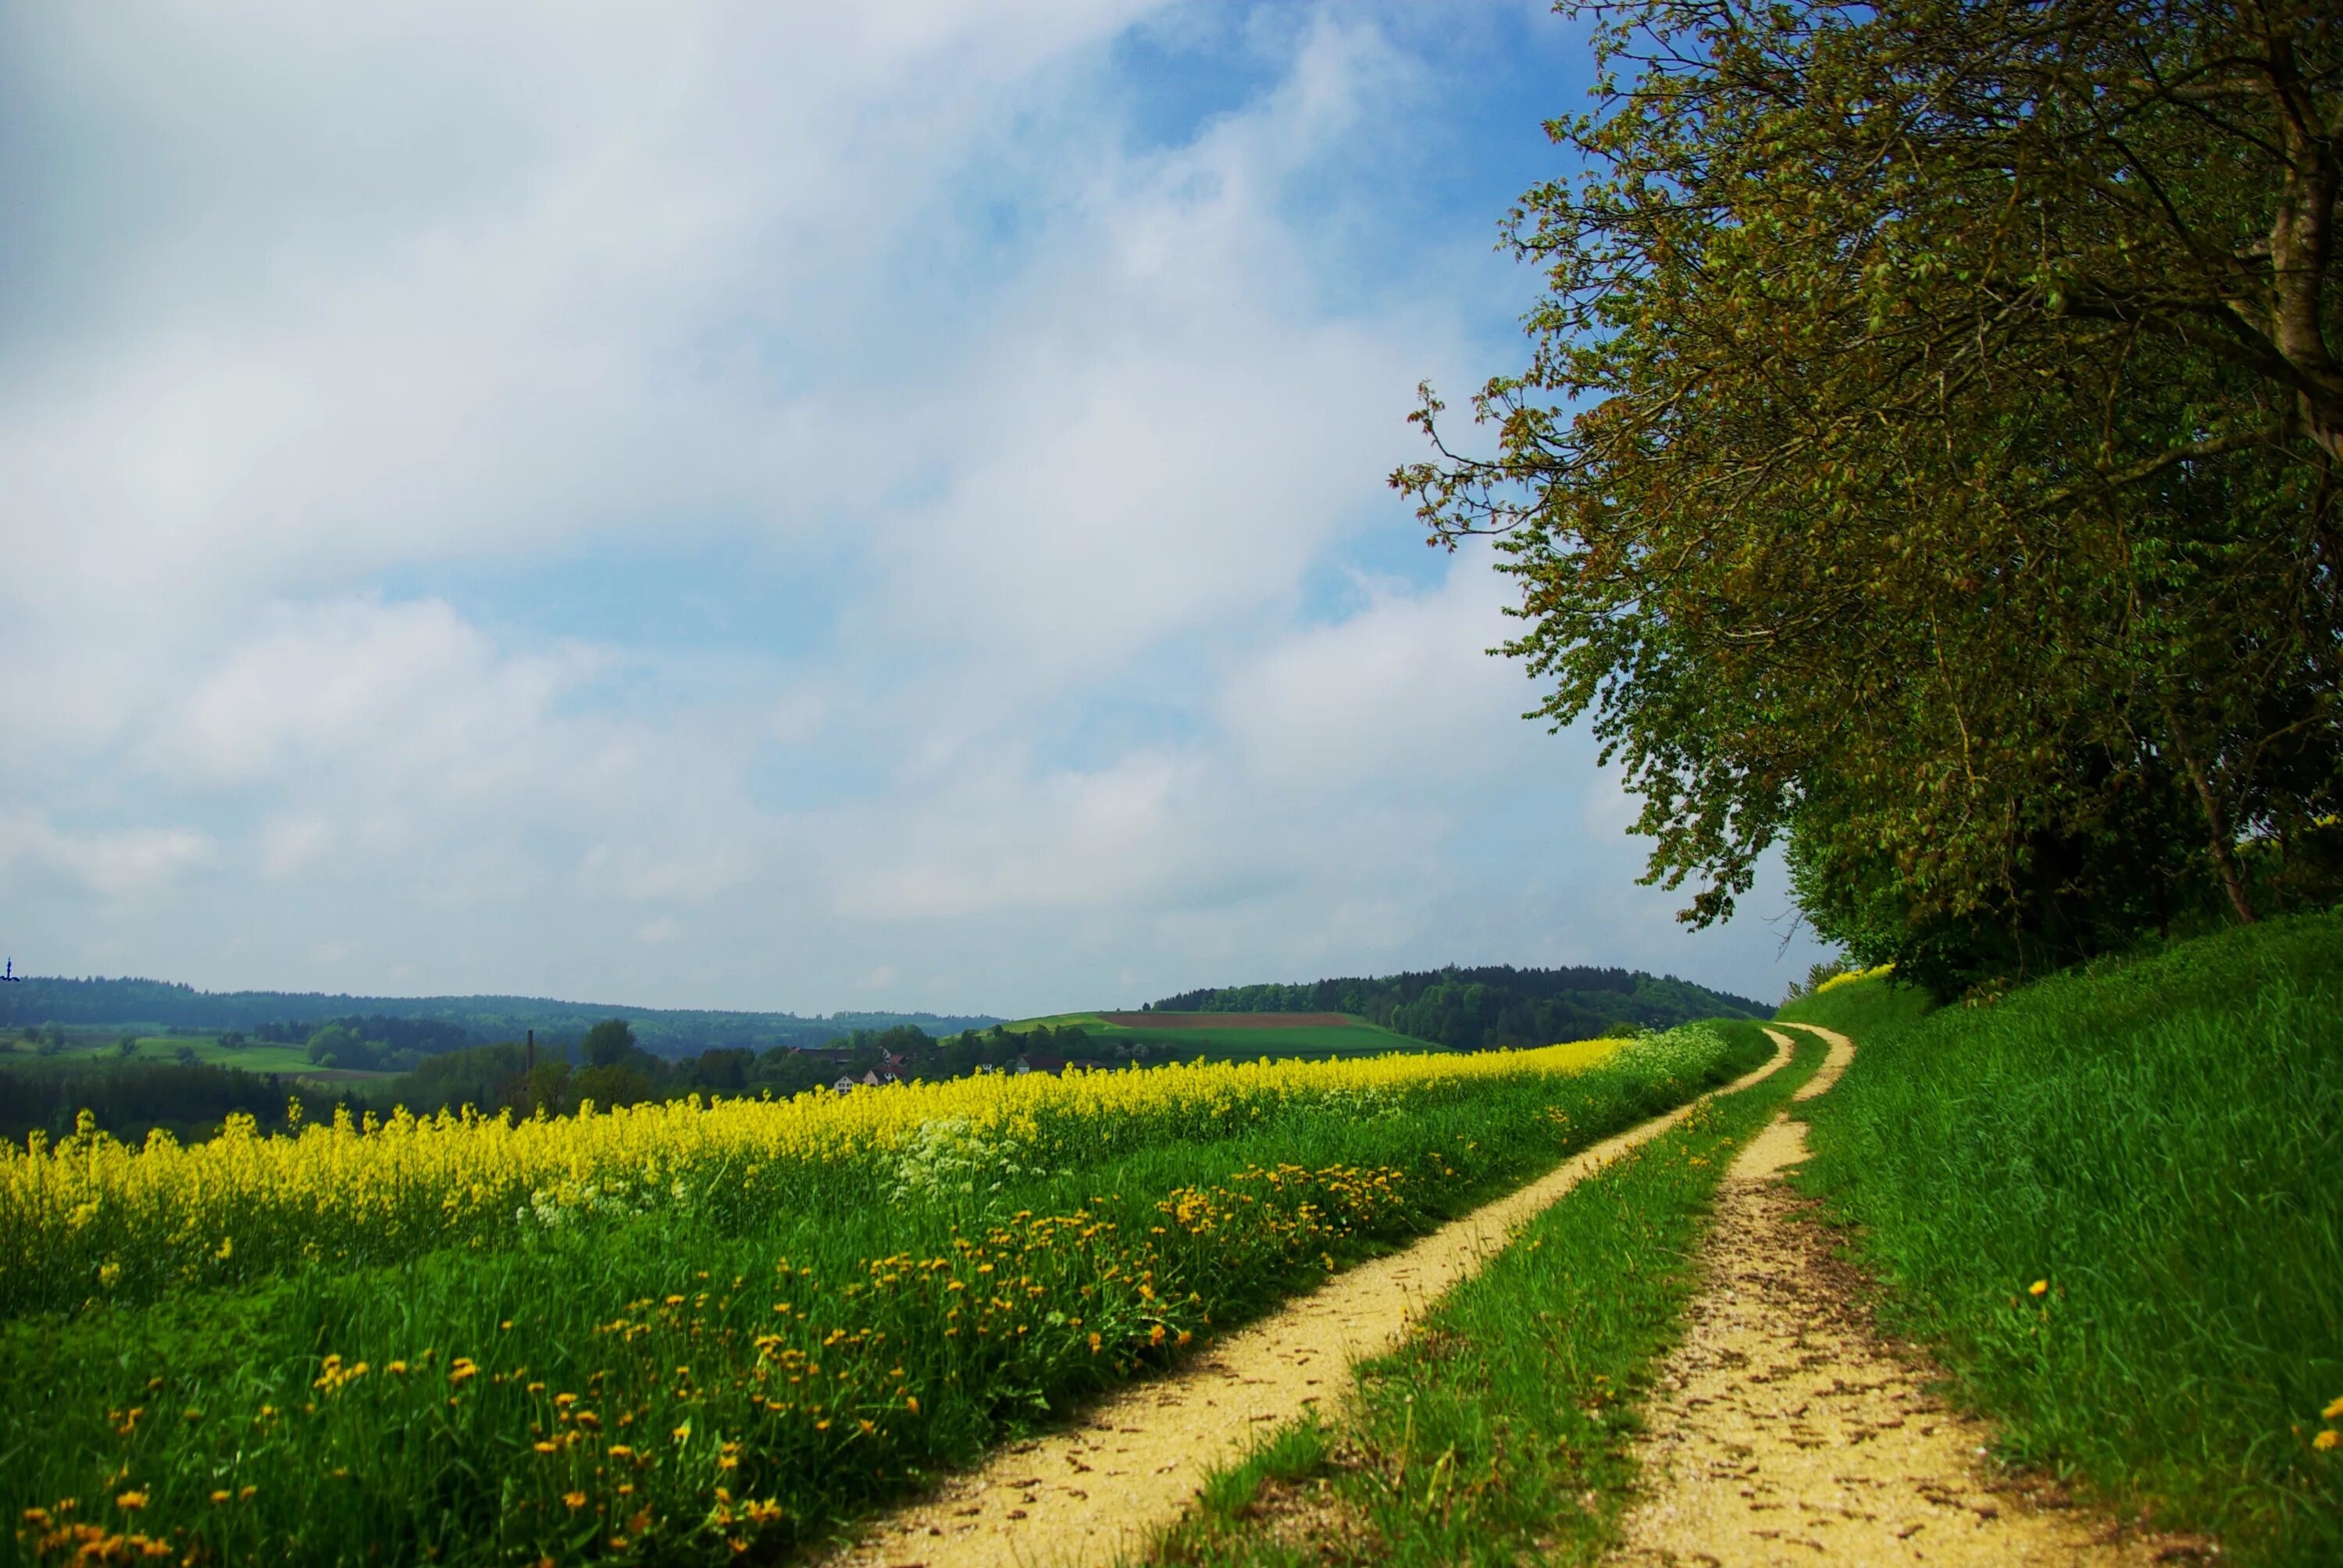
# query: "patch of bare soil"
(1313, 1516)
(1133, 1463)
(1784, 1430)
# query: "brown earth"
(1132, 1463)
(1228, 1020)
(1785, 1430)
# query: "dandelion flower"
(2328, 1439)
(131, 1500)
(2040, 1286)
(2333, 1411)
(574, 1500)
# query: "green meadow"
(85, 1047)
(1211, 1036)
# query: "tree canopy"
(1925, 457)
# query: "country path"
(1782, 1430)
(1131, 1463)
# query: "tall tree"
(1926, 451)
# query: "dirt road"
(1784, 1431)
(1133, 1463)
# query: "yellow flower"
(576, 1499)
(131, 1500)
(2333, 1411)
(2328, 1439)
(364, 1189)
(221, 1496)
(2038, 1287)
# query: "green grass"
(1196, 1035)
(1500, 1434)
(253, 1056)
(1861, 1009)
(739, 1350)
(2162, 1141)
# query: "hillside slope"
(2113, 1199)
(667, 1031)
(1479, 1009)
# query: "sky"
(781, 506)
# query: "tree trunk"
(2217, 823)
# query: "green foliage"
(1926, 454)
(1485, 1007)
(609, 1043)
(131, 1099)
(2159, 1139)
(1500, 1434)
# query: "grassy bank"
(708, 1376)
(1500, 1432)
(2161, 1142)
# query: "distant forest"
(1489, 1007)
(280, 1015)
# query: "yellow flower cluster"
(1851, 976)
(93, 1216)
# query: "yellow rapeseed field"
(91, 1218)
(1850, 975)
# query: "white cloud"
(1033, 434)
(369, 688)
(117, 864)
(1402, 693)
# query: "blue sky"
(803, 508)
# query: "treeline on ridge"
(1487, 1007)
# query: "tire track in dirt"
(1783, 1430)
(1130, 1464)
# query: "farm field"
(1233, 1035)
(85, 1047)
(677, 1332)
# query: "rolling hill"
(1478, 1008)
(666, 1031)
